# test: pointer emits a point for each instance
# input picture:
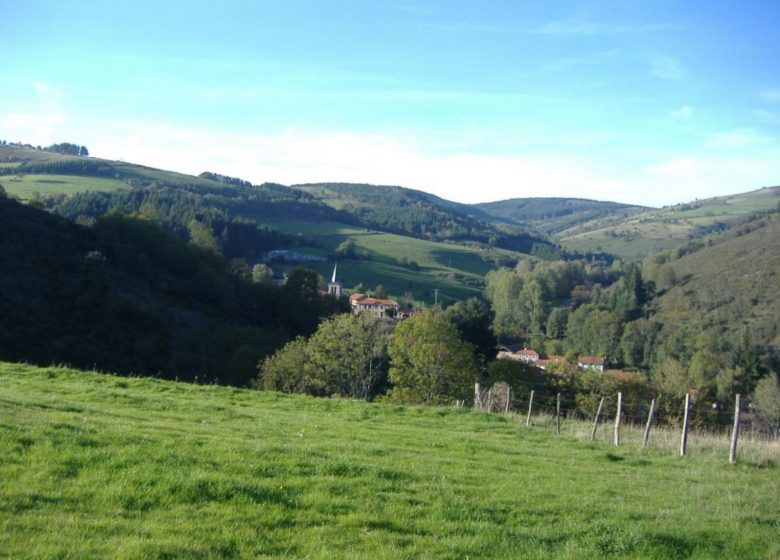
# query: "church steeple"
(334, 286)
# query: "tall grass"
(709, 443)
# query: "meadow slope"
(94, 465)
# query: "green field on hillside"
(95, 465)
(657, 230)
(27, 186)
(440, 263)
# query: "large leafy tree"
(429, 363)
(350, 353)
(347, 356)
(473, 319)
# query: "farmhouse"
(544, 363)
(595, 363)
(361, 303)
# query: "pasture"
(94, 465)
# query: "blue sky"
(644, 102)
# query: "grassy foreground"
(95, 465)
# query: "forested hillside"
(554, 215)
(639, 234)
(721, 285)
(419, 214)
(128, 296)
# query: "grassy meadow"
(94, 465)
(664, 228)
(27, 186)
(442, 265)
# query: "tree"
(637, 342)
(287, 370)
(202, 236)
(349, 353)
(262, 274)
(346, 356)
(346, 249)
(302, 300)
(556, 323)
(767, 401)
(429, 363)
(83, 151)
(473, 320)
(503, 291)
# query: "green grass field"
(94, 465)
(438, 261)
(27, 186)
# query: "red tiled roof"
(591, 360)
(363, 299)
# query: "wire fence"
(709, 430)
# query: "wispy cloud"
(591, 28)
(446, 167)
(739, 138)
(667, 67)
(41, 120)
(765, 116)
(771, 95)
(415, 9)
(567, 27)
(683, 113)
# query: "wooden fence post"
(596, 421)
(530, 407)
(477, 397)
(558, 415)
(617, 418)
(508, 397)
(686, 419)
(649, 423)
(734, 434)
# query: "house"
(528, 356)
(544, 363)
(595, 363)
(509, 351)
(361, 303)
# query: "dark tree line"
(129, 297)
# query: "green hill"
(639, 234)
(553, 215)
(422, 215)
(128, 296)
(723, 283)
(94, 465)
(247, 220)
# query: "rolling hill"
(422, 215)
(640, 233)
(554, 215)
(83, 189)
(723, 283)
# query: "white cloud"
(683, 113)
(41, 121)
(771, 94)
(739, 138)
(691, 177)
(449, 165)
(667, 68)
(591, 28)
